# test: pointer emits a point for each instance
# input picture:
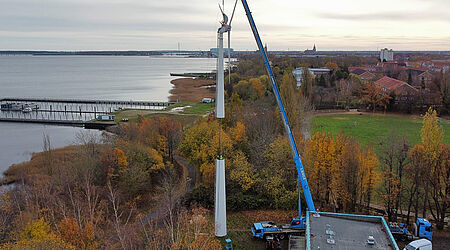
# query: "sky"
(283, 24)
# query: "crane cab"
(423, 229)
(298, 223)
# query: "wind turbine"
(220, 209)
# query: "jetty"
(71, 112)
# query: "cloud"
(153, 24)
(420, 16)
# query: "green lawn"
(199, 108)
(367, 127)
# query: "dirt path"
(187, 184)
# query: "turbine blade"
(234, 9)
(229, 57)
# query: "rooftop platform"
(347, 231)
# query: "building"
(225, 51)
(386, 55)
(311, 51)
(432, 66)
(347, 231)
(298, 73)
(404, 94)
(367, 76)
(370, 68)
(390, 85)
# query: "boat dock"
(73, 112)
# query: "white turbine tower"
(220, 208)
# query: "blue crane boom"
(298, 162)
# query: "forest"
(110, 191)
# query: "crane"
(296, 223)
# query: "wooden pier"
(73, 112)
(86, 101)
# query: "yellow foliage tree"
(82, 239)
(332, 66)
(432, 136)
(121, 159)
(37, 235)
(368, 174)
(242, 172)
(258, 86)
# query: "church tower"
(314, 48)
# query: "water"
(85, 77)
(124, 78)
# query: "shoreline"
(191, 89)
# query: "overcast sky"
(283, 24)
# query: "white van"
(422, 244)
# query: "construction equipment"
(422, 229)
(262, 229)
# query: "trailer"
(422, 230)
(264, 229)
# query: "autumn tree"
(321, 160)
(37, 234)
(290, 98)
(306, 88)
(432, 136)
(280, 175)
(375, 97)
(440, 187)
(393, 155)
(170, 129)
(344, 183)
(368, 175)
(195, 231)
(415, 174)
(332, 65)
(245, 90)
(436, 157)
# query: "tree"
(290, 98)
(322, 159)
(375, 97)
(171, 130)
(415, 174)
(194, 232)
(38, 235)
(445, 90)
(257, 86)
(70, 232)
(332, 65)
(245, 90)
(368, 174)
(393, 155)
(344, 183)
(280, 175)
(307, 83)
(432, 136)
(440, 187)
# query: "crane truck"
(297, 225)
(422, 229)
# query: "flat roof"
(347, 231)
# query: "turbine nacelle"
(225, 27)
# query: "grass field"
(368, 127)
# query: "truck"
(422, 230)
(265, 229)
